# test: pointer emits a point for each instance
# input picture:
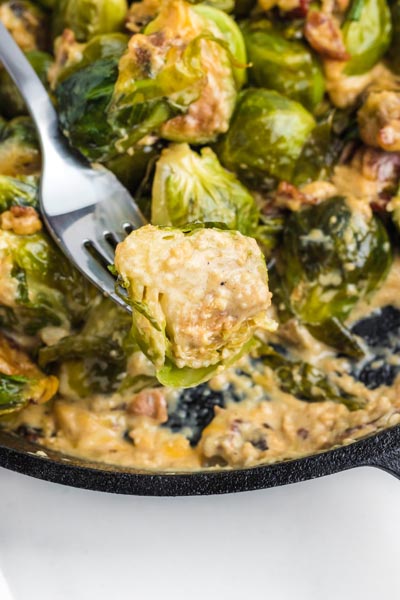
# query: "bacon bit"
(149, 403)
(289, 196)
(22, 220)
(324, 35)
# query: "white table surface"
(336, 538)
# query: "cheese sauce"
(253, 422)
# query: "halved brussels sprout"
(94, 359)
(84, 94)
(367, 34)
(11, 101)
(330, 257)
(38, 285)
(88, 18)
(197, 296)
(189, 187)
(18, 192)
(180, 76)
(323, 148)
(19, 149)
(26, 22)
(285, 65)
(266, 136)
(303, 380)
(21, 381)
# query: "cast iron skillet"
(380, 450)
(380, 331)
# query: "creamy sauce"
(266, 424)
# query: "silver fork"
(86, 210)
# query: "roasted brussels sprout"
(88, 18)
(18, 192)
(180, 77)
(266, 136)
(367, 34)
(197, 296)
(285, 65)
(38, 285)
(189, 187)
(21, 381)
(303, 380)
(11, 101)
(108, 104)
(330, 257)
(26, 22)
(94, 359)
(19, 151)
(324, 145)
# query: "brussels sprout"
(285, 65)
(20, 379)
(323, 148)
(26, 22)
(190, 187)
(11, 101)
(228, 30)
(19, 150)
(88, 18)
(84, 94)
(38, 285)
(367, 34)
(266, 136)
(303, 380)
(18, 192)
(180, 77)
(197, 295)
(330, 257)
(393, 56)
(94, 359)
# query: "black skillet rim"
(380, 450)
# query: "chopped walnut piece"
(67, 52)
(379, 120)
(22, 220)
(149, 403)
(323, 34)
(290, 196)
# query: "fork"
(86, 209)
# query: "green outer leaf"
(368, 38)
(281, 64)
(191, 188)
(13, 392)
(233, 36)
(266, 137)
(304, 381)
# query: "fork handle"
(33, 92)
